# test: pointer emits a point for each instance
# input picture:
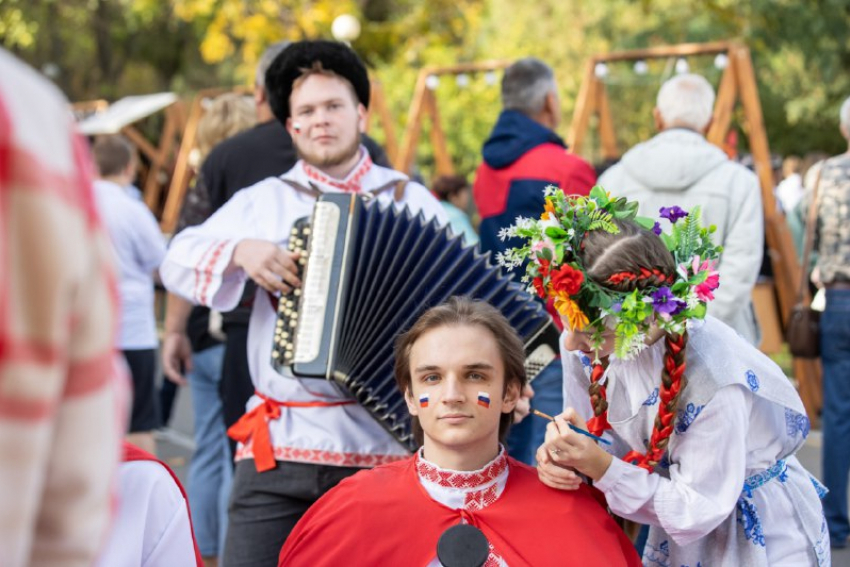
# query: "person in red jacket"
(461, 369)
(522, 156)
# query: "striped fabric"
(63, 398)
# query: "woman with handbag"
(830, 226)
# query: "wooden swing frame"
(424, 105)
(737, 83)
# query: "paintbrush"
(573, 427)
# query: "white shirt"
(197, 267)
(139, 248)
(151, 528)
(714, 448)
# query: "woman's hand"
(566, 448)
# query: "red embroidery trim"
(461, 479)
(351, 184)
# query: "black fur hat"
(334, 56)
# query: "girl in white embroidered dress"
(721, 417)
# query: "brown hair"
(637, 258)
(112, 154)
(228, 114)
(463, 311)
(446, 186)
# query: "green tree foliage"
(111, 48)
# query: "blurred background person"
(195, 353)
(139, 248)
(790, 189)
(63, 393)
(454, 193)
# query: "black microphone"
(463, 545)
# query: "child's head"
(454, 189)
(460, 359)
(634, 258)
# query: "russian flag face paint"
(423, 400)
(484, 399)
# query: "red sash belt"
(254, 425)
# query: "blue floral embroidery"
(752, 381)
(778, 470)
(822, 545)
(585, 361)
(687, 417)
(796, 423)
(653, 397)
(657, 555)
(820, 488)
(749, 519)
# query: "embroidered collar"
(464, 490)
(446, 478)
(351, 184)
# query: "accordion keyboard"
(283, 349)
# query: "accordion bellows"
(371, 271)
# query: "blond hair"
(228, 114)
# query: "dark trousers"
(835, 419)
(235, 387)
(264, 507)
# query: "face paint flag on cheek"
(484, 399)
(423, 400)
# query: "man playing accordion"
(299, 438)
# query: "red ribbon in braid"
(598, 423)
(645, 274)
(664, 421)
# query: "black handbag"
(803, 329)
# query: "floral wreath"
(556, 271)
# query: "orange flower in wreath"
(566, 280)
(548, 209)
(571, 312)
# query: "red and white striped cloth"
(63, 398)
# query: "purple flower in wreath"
(656, 228)
(672, 213)
(665, 303)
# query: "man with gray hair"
(832, 242)
(521, 157)
(679, 167)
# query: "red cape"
(385, 517)
(133, 453)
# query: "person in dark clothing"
(521, 157)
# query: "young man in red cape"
(461, 369)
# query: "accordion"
(369, 272)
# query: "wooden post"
(404, 161)
(724, 106)
(442, 159)
(607, 134)
(584, 108)
(378, 107)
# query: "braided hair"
(636, 258)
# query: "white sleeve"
(705, 480)
(149, 246)
(198, 265)
(176, 544)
